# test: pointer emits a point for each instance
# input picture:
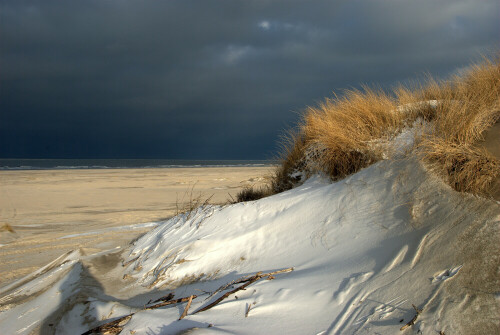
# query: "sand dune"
(364, 251)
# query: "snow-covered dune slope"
(364, 250)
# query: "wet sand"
(55, 211)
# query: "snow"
(417, 105)
(363, 251)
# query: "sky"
(210, 79)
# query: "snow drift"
(364, 250)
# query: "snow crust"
(363, 249)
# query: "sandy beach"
(55, 211)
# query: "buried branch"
(113, 327)
(116, 326)
(247, 281)
(247, 278)
(187, 307)
(227, 294)
(412, 321)
(171, 302)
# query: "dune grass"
(344, 127)
(337, 136)
(292, 151)
(469, 104)
(465, 168)
(250, 193)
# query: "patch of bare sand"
(51, 212)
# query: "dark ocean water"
(60, 164)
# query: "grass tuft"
(250, 193)
(337, 136)
(469, 105)
(465, 168)
(292, 148)
(7, 227)
(190, 202)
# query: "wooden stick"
(234, 282)
(113, 326)
(187, 308)
(170, 302)
(247, 278)
(247, 282)
(242, 287)
(412, 321)
(248, 310)
(260, 274)
(168, 297)
(276, 272)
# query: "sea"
(63, 164)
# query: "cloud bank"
(209, 79)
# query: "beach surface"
(45, 213)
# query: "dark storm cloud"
(209, 79)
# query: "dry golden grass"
(469, 104)
(351, 121)
(414, 102)
(6, 227)
(190, 202)
(466, 168)
(250, 193)
(340, 131)
(344, 127)
(337, 136)
(292, 151)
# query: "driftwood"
(113, 327)
(412, 321)
(168, 297)
(247, 278)
(116, 326)
(234, 282)
(277, 272)
(187, 307)
(170, 302)
(248, 310)
(227, 294)
(247, 281)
